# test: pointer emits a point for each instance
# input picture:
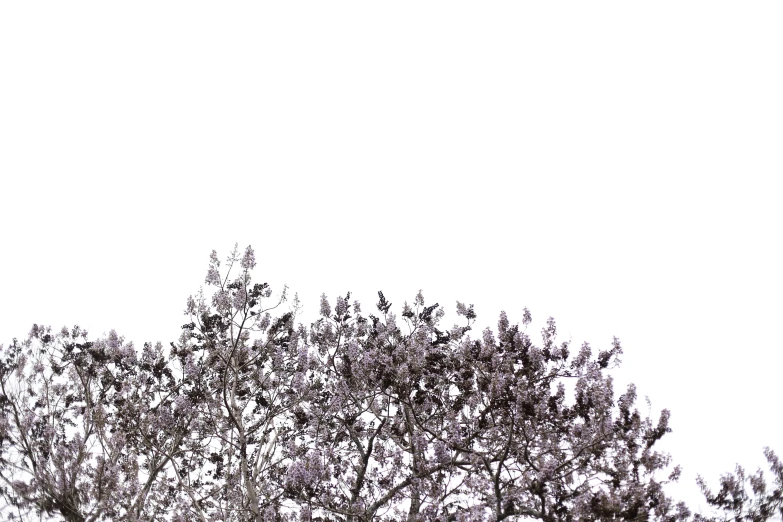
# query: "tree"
(737, 503)
(460, 429)
(354, 418)
(64, 447)
(371, 427)
(242, 375)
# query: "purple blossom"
(303, 357)
(326, 310)
(213, 259)
(298, 382)
(249, 259)
(503, 323)
(190, 307)
(441, 453)
(191, 370)
(547, 469)
(585, 352)
(239, 299)
(128, 353)
(182, 405)
(265, 322)
(305, 472)
(114, 340)
(213, 277)
(221, 300)
(341, 306)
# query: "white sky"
(611, 164)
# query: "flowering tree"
(438, 426)
(64, 446)
(536, 455)
(353, 419)
(368, 454)
(243, 375)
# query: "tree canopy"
(250, 416)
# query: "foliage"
(356, 418)
(737, 503)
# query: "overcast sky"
(615, 165)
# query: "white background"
(612, 164)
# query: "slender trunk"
(413, 511)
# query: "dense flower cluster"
(354, 418)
